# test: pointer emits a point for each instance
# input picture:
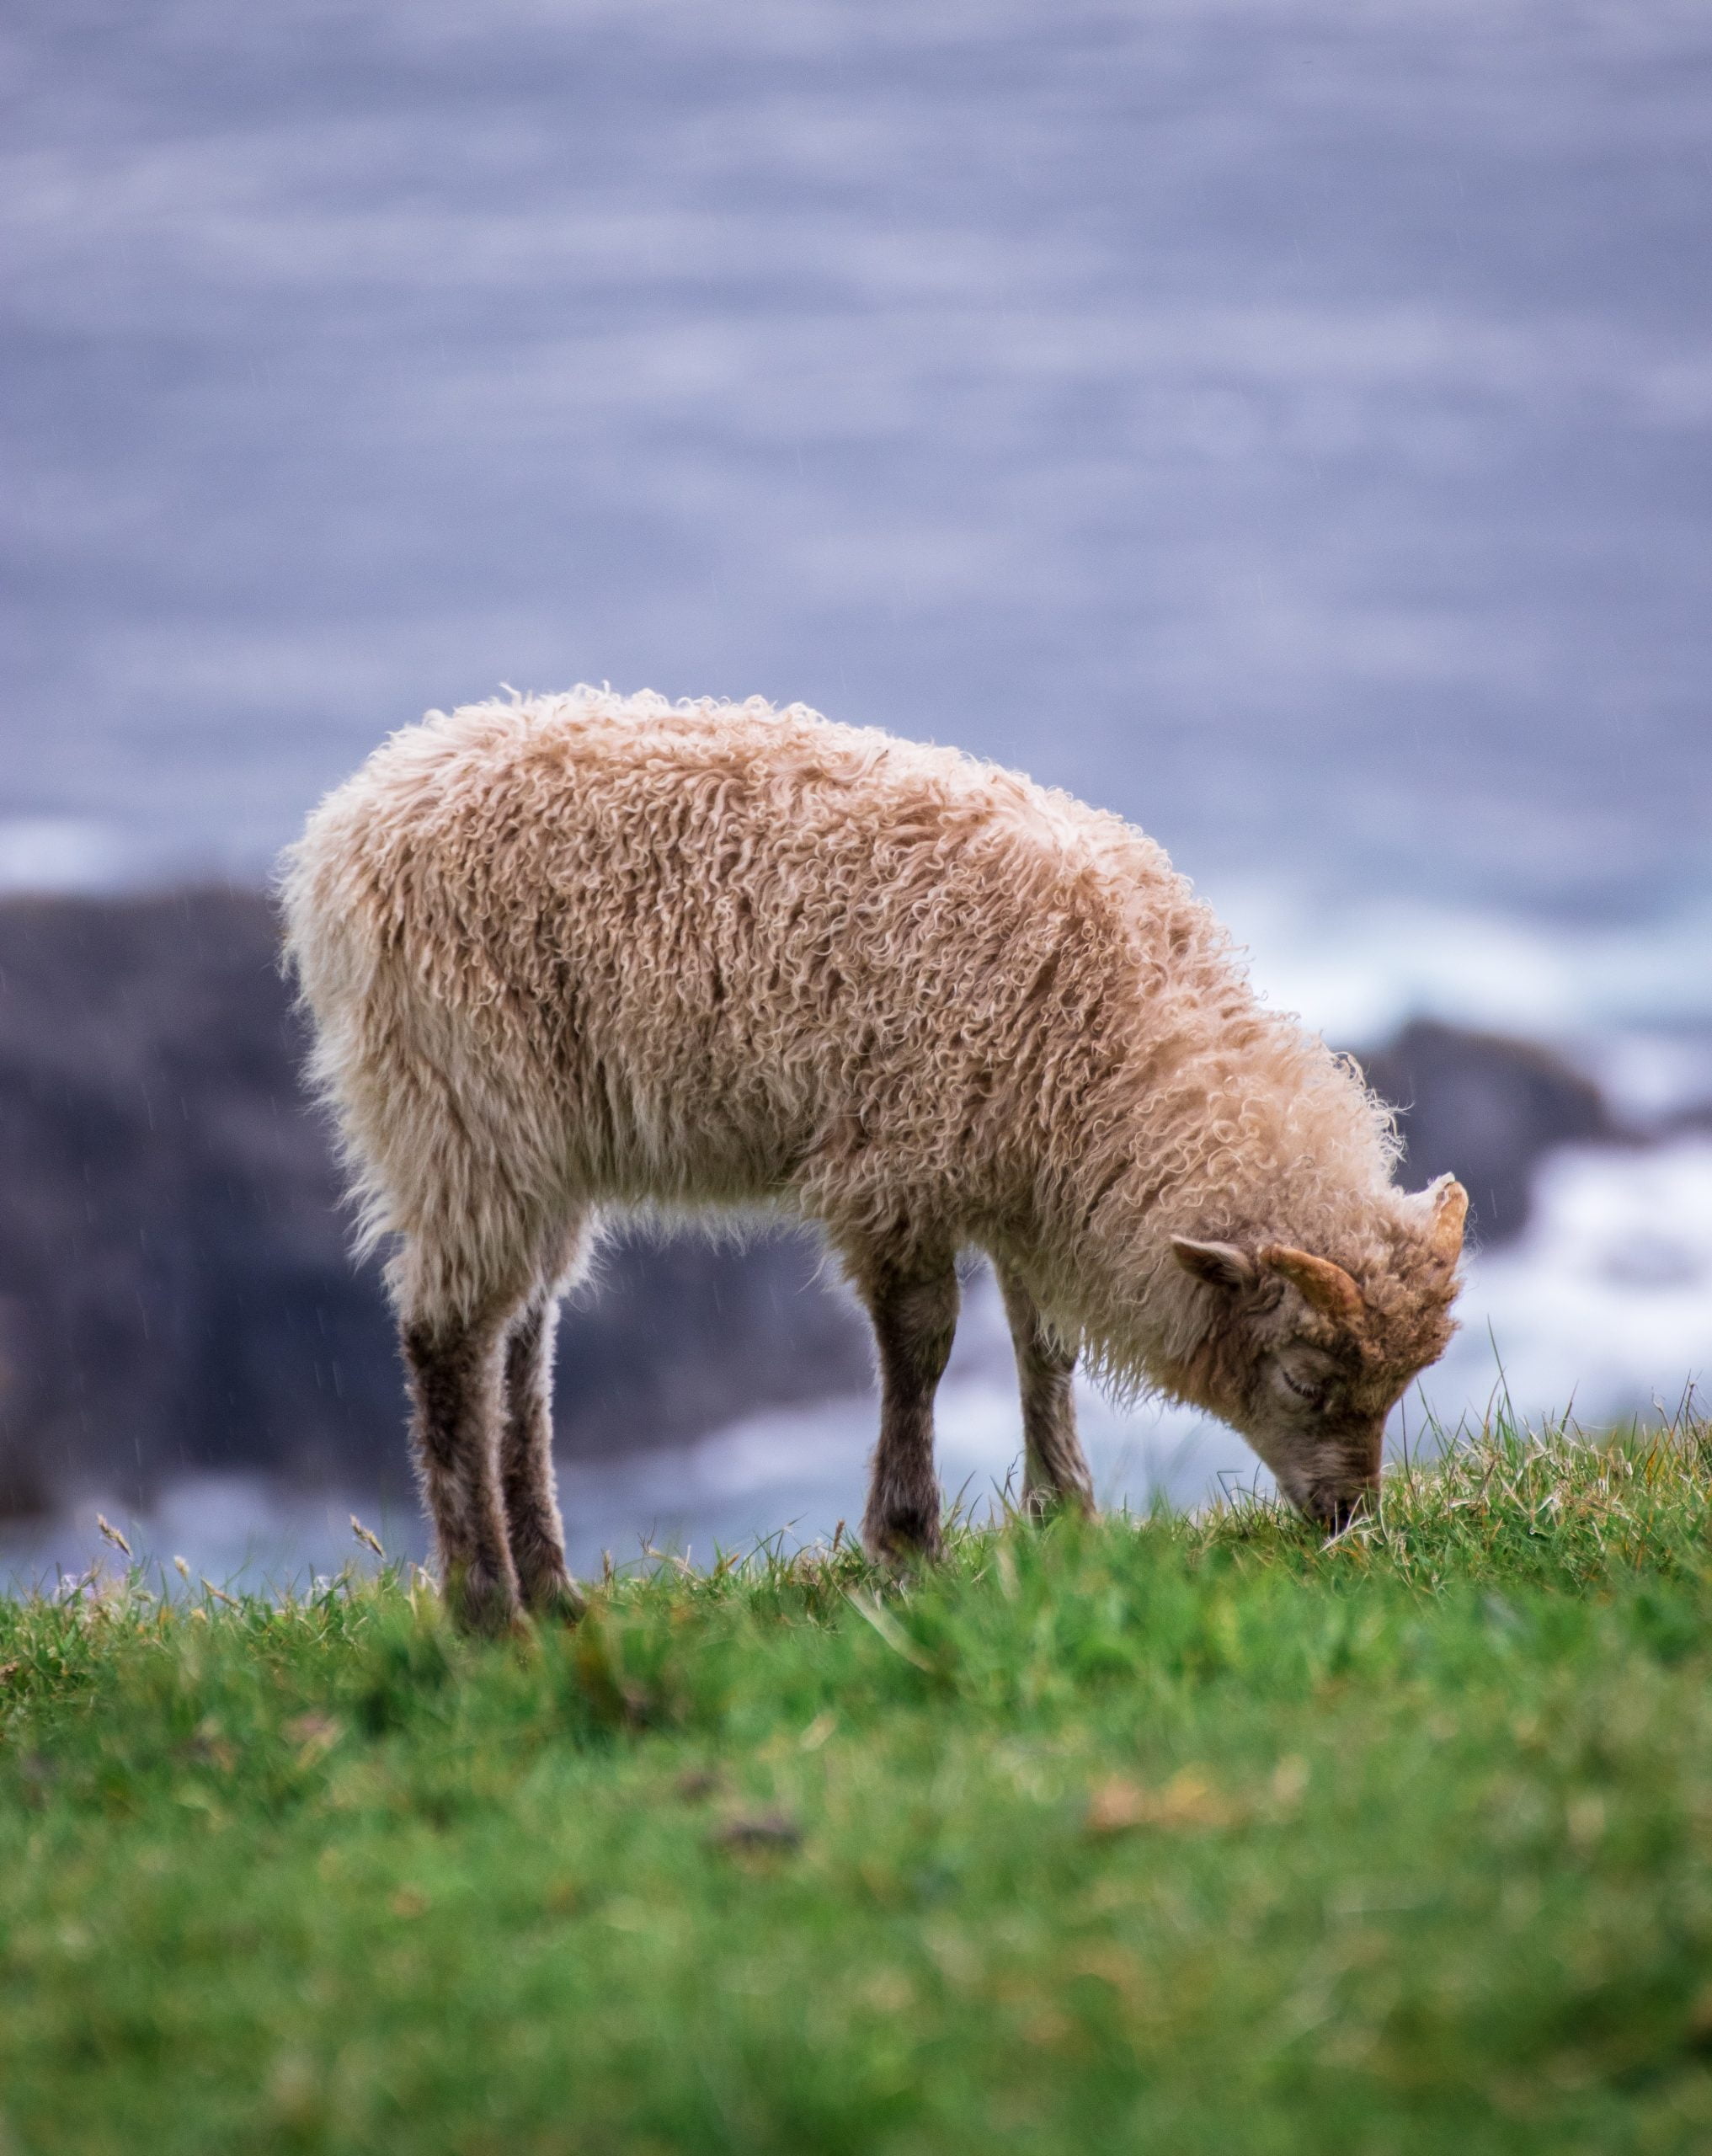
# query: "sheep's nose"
(1335, 1510)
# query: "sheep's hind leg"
(455, 1373)
(533, 1527)
(1055, 1470)
(915, 1316)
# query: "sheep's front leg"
(1055, 1471)
(914, 1316)
(533, 1527)
(454, 1369)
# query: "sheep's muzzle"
(1334, 1508)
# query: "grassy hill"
(1176, 1836)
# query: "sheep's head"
(1307, 1360)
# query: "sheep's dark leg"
(533, 1527)
(914, 1315)
(1055, 1471)
(454, 1368)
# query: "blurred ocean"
(1289, 425)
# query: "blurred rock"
(174, 1289)
(1485, 1108)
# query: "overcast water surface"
(1290, 424)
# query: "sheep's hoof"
(557, 1601)
(904, 1548)
(1044, 1502)
(483, 1606)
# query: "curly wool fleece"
(574, 955)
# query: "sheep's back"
(718, 953)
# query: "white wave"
(1357, 973)
(1605, 1303)
(65, 853)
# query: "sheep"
(578, 957)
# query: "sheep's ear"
(1327, 1287)
(1450, 1214)
(1221, 1265)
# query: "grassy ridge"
(1181, 1836)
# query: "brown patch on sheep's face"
(1307, 1357)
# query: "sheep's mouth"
(1336, 1509)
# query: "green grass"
(1174, 1836)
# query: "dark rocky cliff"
(175, 1290)
(1486, 1108)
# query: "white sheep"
(574, 957)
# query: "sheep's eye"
(1303, 1388)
